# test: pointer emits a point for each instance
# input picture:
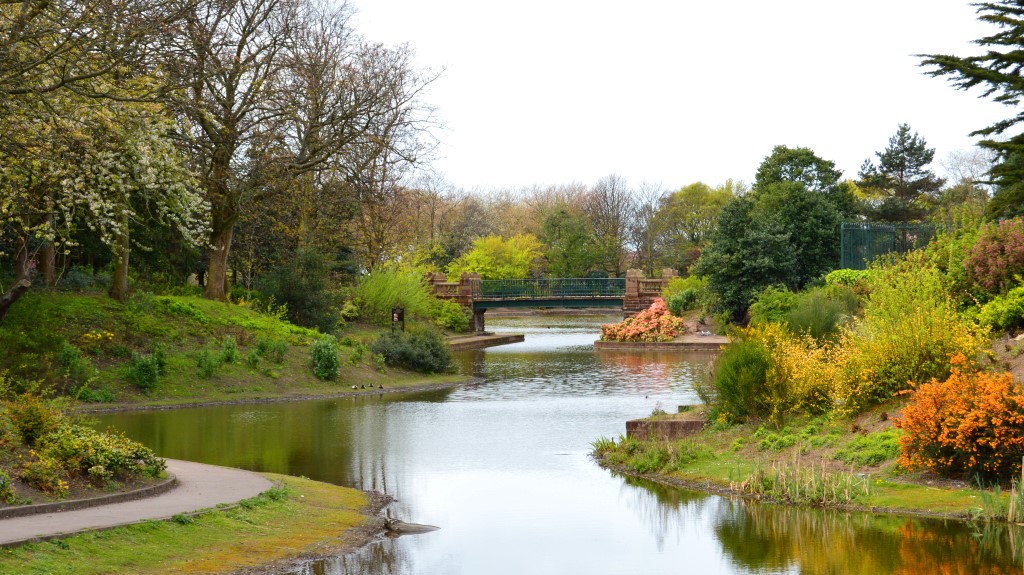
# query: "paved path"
(200, 486)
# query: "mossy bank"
(299, 518)
(182, 350)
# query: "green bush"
(650, 460)
(208, 363)
(33, 417)
(230, 353)
(450, 315)
(7, 494)
(324, 354)
(78, 368)
(1005, 312)
(846, 277)
(383, 289)
(143, 371)
(272, 349)
(740, 379)
(682, 302)
(83, 450)
(772, 305)
(423, 350)
(820, 312)
(182, 307)
(141, 302)
(252, 359)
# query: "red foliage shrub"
(972, 423)
(655, 323)
(997, 256)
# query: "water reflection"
(502, 468)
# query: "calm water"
(502, 468)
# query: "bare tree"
(645, 230)
(610, 206)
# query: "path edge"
(75, 504)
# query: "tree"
(224, 65)
(687, 218)
(804, 166)
(744, 256)
(998, 72)
(609, 205)
(569, 241)
(900, 184)
(494, 257)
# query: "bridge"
(631, 294)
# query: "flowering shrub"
(971, 423)
(45, 474)
(998, 255)
(653, 324)
(83, 450)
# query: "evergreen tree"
(997, 71)
(902, 186)
(802, 165)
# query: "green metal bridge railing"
(566, 288)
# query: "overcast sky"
(678, 91)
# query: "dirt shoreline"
(713, 488)
(116, 408)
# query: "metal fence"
(862, 243)
(552, 288)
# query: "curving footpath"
(199, 487)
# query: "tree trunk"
(21, 262)
(12, 295)
(119, 283)
(217, 278)
(50, 264)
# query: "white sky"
(678, 91)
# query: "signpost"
(397, 316)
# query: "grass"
(42, 324)
(848, 463)
(278, 524)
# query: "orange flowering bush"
(655, 323)
(971, 423)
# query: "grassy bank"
(847, 463)
(99, 351)
(300, 517)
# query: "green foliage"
(45, 474)
(272, 349)
(385, 288)
(871, 449)
(252, 359)
(77, 367)
(423, 350)
(494, 257)
(302, 283)
(143, 371)
(450, 315)
(141, 302)
(846, 277)
(740, 376)
(769, 441)
(230, 349)
(208, 363)
(900, 186)
(324, 354)
(772, 305)
(650, 460)
(83, 450)
(182, 307)
(7, 494)
(820, 312)
(1006, 312)
(686, 219)
(686, 294)
(570, 248)
(802, 165)
(33, 417)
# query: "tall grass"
(389, 287)
(795, 482)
